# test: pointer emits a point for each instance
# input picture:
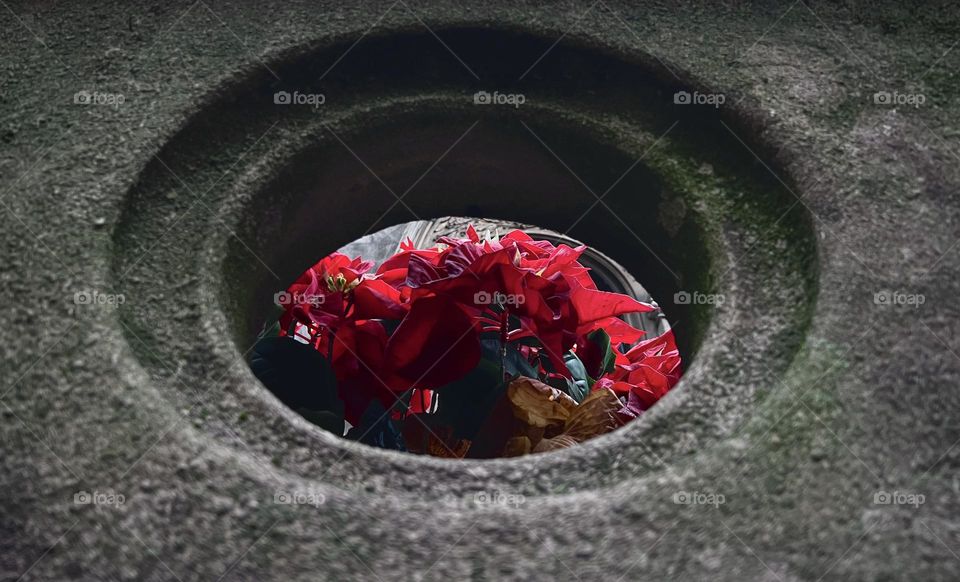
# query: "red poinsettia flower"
(645, 373)
(318, 296)
(441, 299)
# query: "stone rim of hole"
(357, 464)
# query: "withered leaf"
(596, 415)
(538, 404)
(423, 435)
(552, 444)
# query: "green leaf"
(377, 429)
(600, 341)
(580, 386)
(466, 403)
(300, 377)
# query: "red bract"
(376, 299)
(435, 344)
(357, 358)
(395, 270)
(645, 373)
(598, 309)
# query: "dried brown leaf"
(552, 444)
(596, 415)
(538, 404)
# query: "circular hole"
(338, 337)
(499, 171)
(248, 193)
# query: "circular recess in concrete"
(598, 149)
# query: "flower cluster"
(459, 349)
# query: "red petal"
(472, 234)
(376, 299)
(435, 344)
(592, 305)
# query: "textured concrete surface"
(814, 436)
